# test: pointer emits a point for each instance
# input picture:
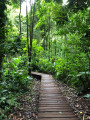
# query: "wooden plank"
(41, 102)
(56, 114)
(51, 101)
(57, 118)
(51, 92)
(51, 97)
(46, 109)
(59, 94)
(54, 105)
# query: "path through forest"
(52, 104)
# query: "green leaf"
(28, 77)
(3, 98)
(11, 101)
(87, 96)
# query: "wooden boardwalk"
(52, 104)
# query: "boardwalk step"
(57, 118)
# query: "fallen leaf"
(60, 112)
(81, 112)
(77, 105)
(88, 118)
(33, 115)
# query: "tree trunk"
(30, 50)
(2, 33)
(49, 35)
(44, 39)
(31, 34)
(27, 34)
(55, 47)
(1, 58)
(33, 20)
(20, 18)
(51, 42)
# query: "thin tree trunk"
(27, 34)
(65, 45)
(46, 42)
(2, 34)
(33, 20)
(20, 18)
(55, 47)
(27, 28)
(49, 35)
(1, 59)
(44, 39)
(51, 42)
(30, 53)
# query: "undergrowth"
(15, 82)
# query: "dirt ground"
(28, 108)
(80, 104)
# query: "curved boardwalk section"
(52, 104)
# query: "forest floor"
(80, 104)
(28, 109)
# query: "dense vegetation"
(51, 38)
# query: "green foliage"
(60, 14)
(17, 76)
(87, 96)
(15, 3)
(15, 81)
(38, 63)
(72, 49)
(43, 65)
(76, 5)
